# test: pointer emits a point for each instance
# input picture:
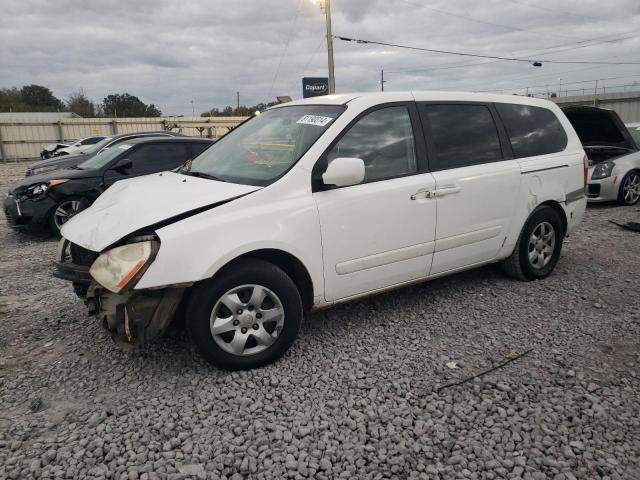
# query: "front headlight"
(603, 170)
(39, 170)
(120, 266)
(40, 188)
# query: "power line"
(535, 63)
(553, 10)
(563, 84)
(471, 19)
(574, 46)
(286, 47)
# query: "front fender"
(197, 247)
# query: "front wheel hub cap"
(247, 320)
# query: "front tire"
(629, 192)
(64, 210)
(246, 316)
(538, 248)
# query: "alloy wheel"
(247, 320)
(631, 188)
(542, 243)
(65, 211)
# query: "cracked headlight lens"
(119, 267)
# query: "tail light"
(585, 164)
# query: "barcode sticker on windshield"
(315, 120)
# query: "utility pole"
(238, 100)
(382, 80)
(332, 79)
(193, 109)
(325, 7)
(559, 86)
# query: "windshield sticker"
(125, 147)
(316, 120)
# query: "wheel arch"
(559, 210)
(290, 264)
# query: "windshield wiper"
(201, 175)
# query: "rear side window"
(462, 135)
(532, 130)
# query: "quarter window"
(532, 130)
(462, 135)
(383, 139)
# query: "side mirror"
(123, 165)
(344, 171)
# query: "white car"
(79, 147)
(321, 201)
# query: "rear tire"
(538, 248)
(629, 192)
(253, 307)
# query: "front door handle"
(447, 190)
(423, 193)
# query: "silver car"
(617, 179)
(614, 160)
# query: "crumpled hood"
(130, 205)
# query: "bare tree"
(79, 104)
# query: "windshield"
(96, 147)
(104, 157)
(264, 148)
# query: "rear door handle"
(447, 190)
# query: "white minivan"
(320, 201)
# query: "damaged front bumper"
(133, 317)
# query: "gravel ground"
(356, 396)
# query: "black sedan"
(66, 161)
(43, 203)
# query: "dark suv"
(45, 202)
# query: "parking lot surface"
(359, 395)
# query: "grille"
(82, 256)
(7, 213)
(594, 190)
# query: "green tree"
(11, 100)
(126, 105)
(79, 104)
(40, 99)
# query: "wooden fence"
(24, 140)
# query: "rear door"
(477, 182)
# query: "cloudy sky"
(171, 53)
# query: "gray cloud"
(170, 53)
